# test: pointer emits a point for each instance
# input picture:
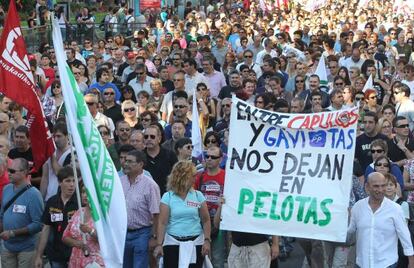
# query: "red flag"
(16, 82)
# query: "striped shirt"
(142, 200)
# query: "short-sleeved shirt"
(184, 217)
(212, 187)
(57, 215)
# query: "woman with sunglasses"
(183, 148)
(371, 97)
(128, 93)
(130, 113)
(299, 85)
(381, 163)
(57, 96)
(385, 127)
(157, 60)
(203, 95)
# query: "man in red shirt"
(211, 184)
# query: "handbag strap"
(16, 196)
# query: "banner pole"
(78, 197)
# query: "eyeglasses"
(124, 129)
(248, 56)
(299, 81)
(146, 119)
(157, 59)
(87, 42)
(211, 141)
(339, 84)
(382, 165)
(373, 97)
(104, 133)
(359, 98)
(90, 103)
(403, 126)
(2, 122)
(188, 146)
(226, 105)
(202, 89)
(214, 157)
(132, 109)
(140, 73)
(379, 151)
(109, 93)
(12, 171)
(397, 92)
(146, 136)
(180, 106)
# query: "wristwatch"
(11, 233)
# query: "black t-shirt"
(114, 113)
(226, 91)
(242, 239)
(363, 148)
(56, 215)
(380, 92)
(28, 155)
(160, 166)
(395, 153)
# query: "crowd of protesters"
(139, 91)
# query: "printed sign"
(289, 174)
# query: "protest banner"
(289, 174)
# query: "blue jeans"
(136, 248)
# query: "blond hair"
(180, 178)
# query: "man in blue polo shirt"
(20, 220)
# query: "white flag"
(321, 71)
(369, 84)
(195, 130)
(105, 193)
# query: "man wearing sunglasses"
(142, 81)
(404, 105)
(112, 109)
(21, 219)
(211, 184)
(180, 110)
(401, 147)
(159, 160)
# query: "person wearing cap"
(131, 61)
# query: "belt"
(130, 230)
(184, 238)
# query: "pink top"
(78, 259)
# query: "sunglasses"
(140, 73)
(359, 99)
(214, 157)
(179, 106)
(2, 122)
(124, 129)
(382, 165)
(339, 84)
(379, 151)
(149, 136)
(129, 109)
(202, 89)
(109, 93)
(188, 147)
(248, 56)
(300, 81)
(12, 171)
(226, 105)
(403, 126)
(211, 141)
(90, 103)
(373, 97)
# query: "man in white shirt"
(379, 222)
(355, 60)
(192, 76)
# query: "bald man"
(379, 223)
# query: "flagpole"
(78, 197)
